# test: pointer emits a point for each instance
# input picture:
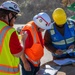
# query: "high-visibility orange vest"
(9, 64)
(34, 53)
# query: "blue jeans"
(33, 69)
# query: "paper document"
(48, 70)
(69, 51)
(65, 61)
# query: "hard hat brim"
(19, 14)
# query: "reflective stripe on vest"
(9, 69)
(34, 62)
(63, 41)
(2, 35)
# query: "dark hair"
(3, 13)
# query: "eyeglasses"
(14, 16)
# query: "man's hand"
(59, 52)
(27, 66)
(24, 36)
(71, 47)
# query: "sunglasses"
(14, 16)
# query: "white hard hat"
(10, 5)
(42, 20)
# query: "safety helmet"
(42, 20)
(11, 6)
(59, 16)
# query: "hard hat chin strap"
(10, 19)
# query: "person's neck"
(60, 26)
(4, 21)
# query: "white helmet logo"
(42, 19)
(15, 6)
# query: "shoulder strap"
(51, 31)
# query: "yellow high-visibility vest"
(9, 64)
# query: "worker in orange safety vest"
(30, 61)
